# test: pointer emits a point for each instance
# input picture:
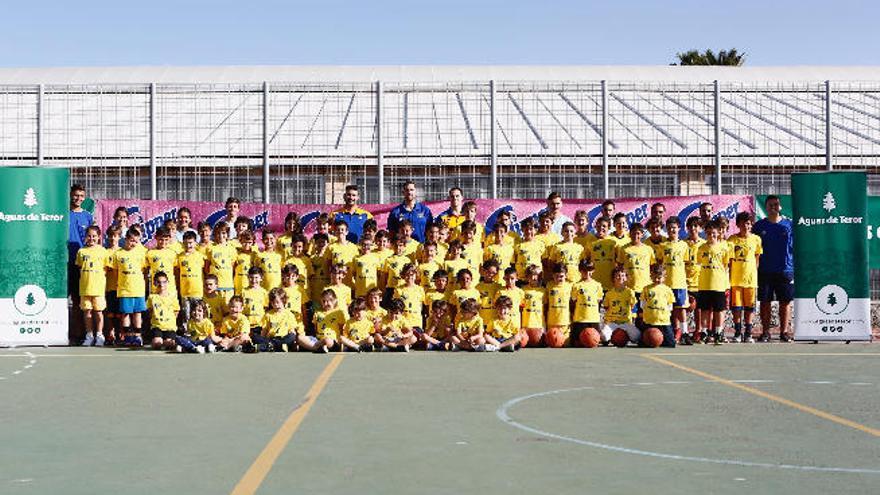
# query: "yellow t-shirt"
(439, 326)
(473, 255)
(586, 241)
(284, 245)
(220, 262)
(130, 265)
(358, 330)
(743, 260)
(295, 295)
(310, 247)
(234, 327)
(412, 247)
(426, 273)
(558, 304)
(469, 327)
(192, 269)
(637, 261)
(216, 307)
(549, 239)
(501, 253)
(244, 260)
(392, 268)
(656, 305)
(200, 330)
(163, 311)
(328, 324)
(587, 295)
(412, 298)
(713, 260)
(673, 255)
(205, 249)
(393, 328)
(255, 301)
(319, 277)
(503, 329)
(691, 267)
(343, 253)
(112, 275)
(619, 305)
(656, 246)
(528, 253)
(343, 297)
(93, 263)
(377, 316)
(432, 295)
(603, 253)
(487, 290)
(510, 239)
(454, 266)
(516, 295)
(366, 273)
(569, 254)
(302, 269)
(163, 260)
(461, 295)
(534, 299)
(270, 262)
(278, 324)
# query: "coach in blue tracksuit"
(351, 214)
(775, 267)
(417, 213)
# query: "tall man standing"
(453, 216)
(417, 213)
(775, 267)
(351, 214)
(80, 220)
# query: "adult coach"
(352, 214)
(453, 216)
(554, 209)
(232, 206)
(775, 267)
(80, 220)
(418, 214)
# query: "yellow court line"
(255, 475)
(800, 407)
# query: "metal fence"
(303, 142)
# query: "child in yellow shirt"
(396, 334)
(534, 303)
(199, 336)
(357, 334)
(586, 296)
(438, 327)
(657, 301)
(503, 332)
(235, 329)
(468, 330)
(328, 321)
(163, 308)
(93, 261)
(256, 299)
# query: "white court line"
(502, 414)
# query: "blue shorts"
(129, 305)
(775, 286)
(681, 298)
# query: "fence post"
(717, 129)
(606, 189)
(40, 124)
(828, 152)
(493, 157)
(266, 198)
(379, 158)
(154, 193)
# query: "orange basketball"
(556, 337)
(652, 337)
(619, 337)
(590, 337)
(536, 336)
(523, 339)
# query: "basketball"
(619, 337)
(536, 336)
(590, 337)
(556, 337)
(652, 337)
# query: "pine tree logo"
(30, 198)
(828, 202)
(832, 300)
(30, 300)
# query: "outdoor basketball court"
(703, 419)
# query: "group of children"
(462, 289)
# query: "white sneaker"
(89, 340)
(178, 349)
(99, 340)
(491, 348)
(212, 348)
(200, 349)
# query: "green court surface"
(703, 419)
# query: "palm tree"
(724, 57)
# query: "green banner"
(873, 226)
(34, 215)
(832, 292)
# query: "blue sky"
(46, 33)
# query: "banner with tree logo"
(34, 215)
(832, 292)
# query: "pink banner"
(154, 213)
